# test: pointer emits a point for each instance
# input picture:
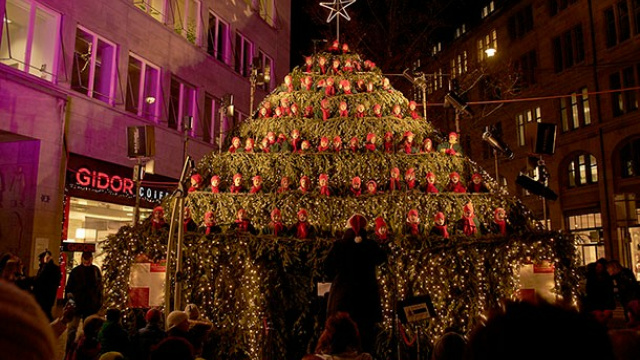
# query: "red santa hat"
(407, 134)
(497, 211)
(295, 131)
(377, 106)
(275, 212)
(285, 100)
(237, 176)
(380, 223)
(215, 177)
(454, 134)
(306, 143)
(413, 212)
(241, 211)
(439, 215)
(324, 139)
(337, 139)
(476, 176)
(412, 103)
(282, 137)
(372, 182)
(271, 134)
(234, 139)
(356, 180)
(430, 174)
(323, 177)
(302, 212)
(370, 136)
(251, 141)
(345, 48)
(257, 178)
(395, 170)
(197, 178)
(283, 179)
(208, 215)
(468, 207)
(454, 175)
(158, 209)
(357, 222)
(330, 80)
(410, 171)
(294, 107)
(354, 140)
(344, 82)
(304, 177)
(388, 135)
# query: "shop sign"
(78, 247)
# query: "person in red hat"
(285, 185)
(356, 189)
(282, 145)
(454, 184)
(389, 145)
(412, 226)
(372, 187)
(150, 335)
(302, 229)
(324, 144)
(324, 107)
(235, 145)
(469, 224)
(351, 264)
(410, 179)
(439, 227)
(276, 227)
(394, 180)
(329, 87)
(295, 140)
(305, 184)
(476, 185)
(413, 110)
(236, 187)
(360, 113)
(353, 145)
(371, 142)
(257, 184)
(196, 183)
(427, 146)
(215, 184)
(323, 181)
(242, 224)
(377, 110)
(248, 146)
(396, 111)
(209, 224)
(305, 146)
(308, 63)
(336, 144)
(278, 112)
(381, 230)
(431, 187)
(408, 145)
(157, 219)
(451, 147)
(500, 225)
(343, 110)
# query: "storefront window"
(588, 229)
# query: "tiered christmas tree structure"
(259, 290)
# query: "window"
(489, 41)
(575, 111)
(582, 170)
(635, 8)
(526, 67)
(630, 159)
(218, 45)
(268, 11)
(555, 6)
(243, 55)
(460, 31)
(155, 8)
(623, 102)
(186, 19)
(586, 224)
(210, 127)
(487, 10)
(267, 64)
(459, 64)
(30, 40)
(617, 23)
(520, 128)
(94, 66)
(143, 88)
(568, 49)
(521, 23)
(436, 48)
(182, 102)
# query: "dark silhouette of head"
(340, 334)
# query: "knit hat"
(111, 355)
(356, 180)
(153, 315)
(454, 174)
(430, 174)
(192, 311)
(208, 215)
(275, 212)
(468, 207)
(357, 222)
(158, 209)
(476, 176)
(337, 139)
(388, 135)
(407, 134)
(197, 178)
(454, 134)
(215, 177)
(25, 332)
(323, 177)
(370, 136)
(237, 176)
(380, 223)
(413, 212)
(175, 318)
(439, 215)
(302, 212)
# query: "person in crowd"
(340, 339)
(157, 219)
(625, 343)
(469, 224)
(599, 297)
(242, 224)
(148, 336)
(87, 346)
(351, 263)
(111, 355)
(500, 224)
(449, 346)
(412, 226)
(112, 336)
(209, 226)
(633, 314)
(84, 288)
(537, 330)
(25, 332)
(199, 328)
(177, 324)
(476, 185)
(172, 348)
(625, 286)
(276, 227)
(440, 225)
(46, 282)
(188, 223)
(302, 229)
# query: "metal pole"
(252, 93)
(544, 212)
(136, 175)
(495, 159)
(221, 120)
(167, 281)
(458, 123)
(177, 293)
(424, 100)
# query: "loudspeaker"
(546, 139)
(140, 141)
(536, 188)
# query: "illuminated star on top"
(337, 8)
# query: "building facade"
(572, 65)
(76, 76)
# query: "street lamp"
(498, 146)
(461, 107)
(490, 52)
(226, 109)
(260, 75)
(187, 125)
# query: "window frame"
(243, 60)
(154, 115)
(582, 170)
(219, 51)
(184, 89)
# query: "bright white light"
(150, 100)
(490, 52)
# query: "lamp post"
(260, 74)
(226, 109)
(187, 125)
